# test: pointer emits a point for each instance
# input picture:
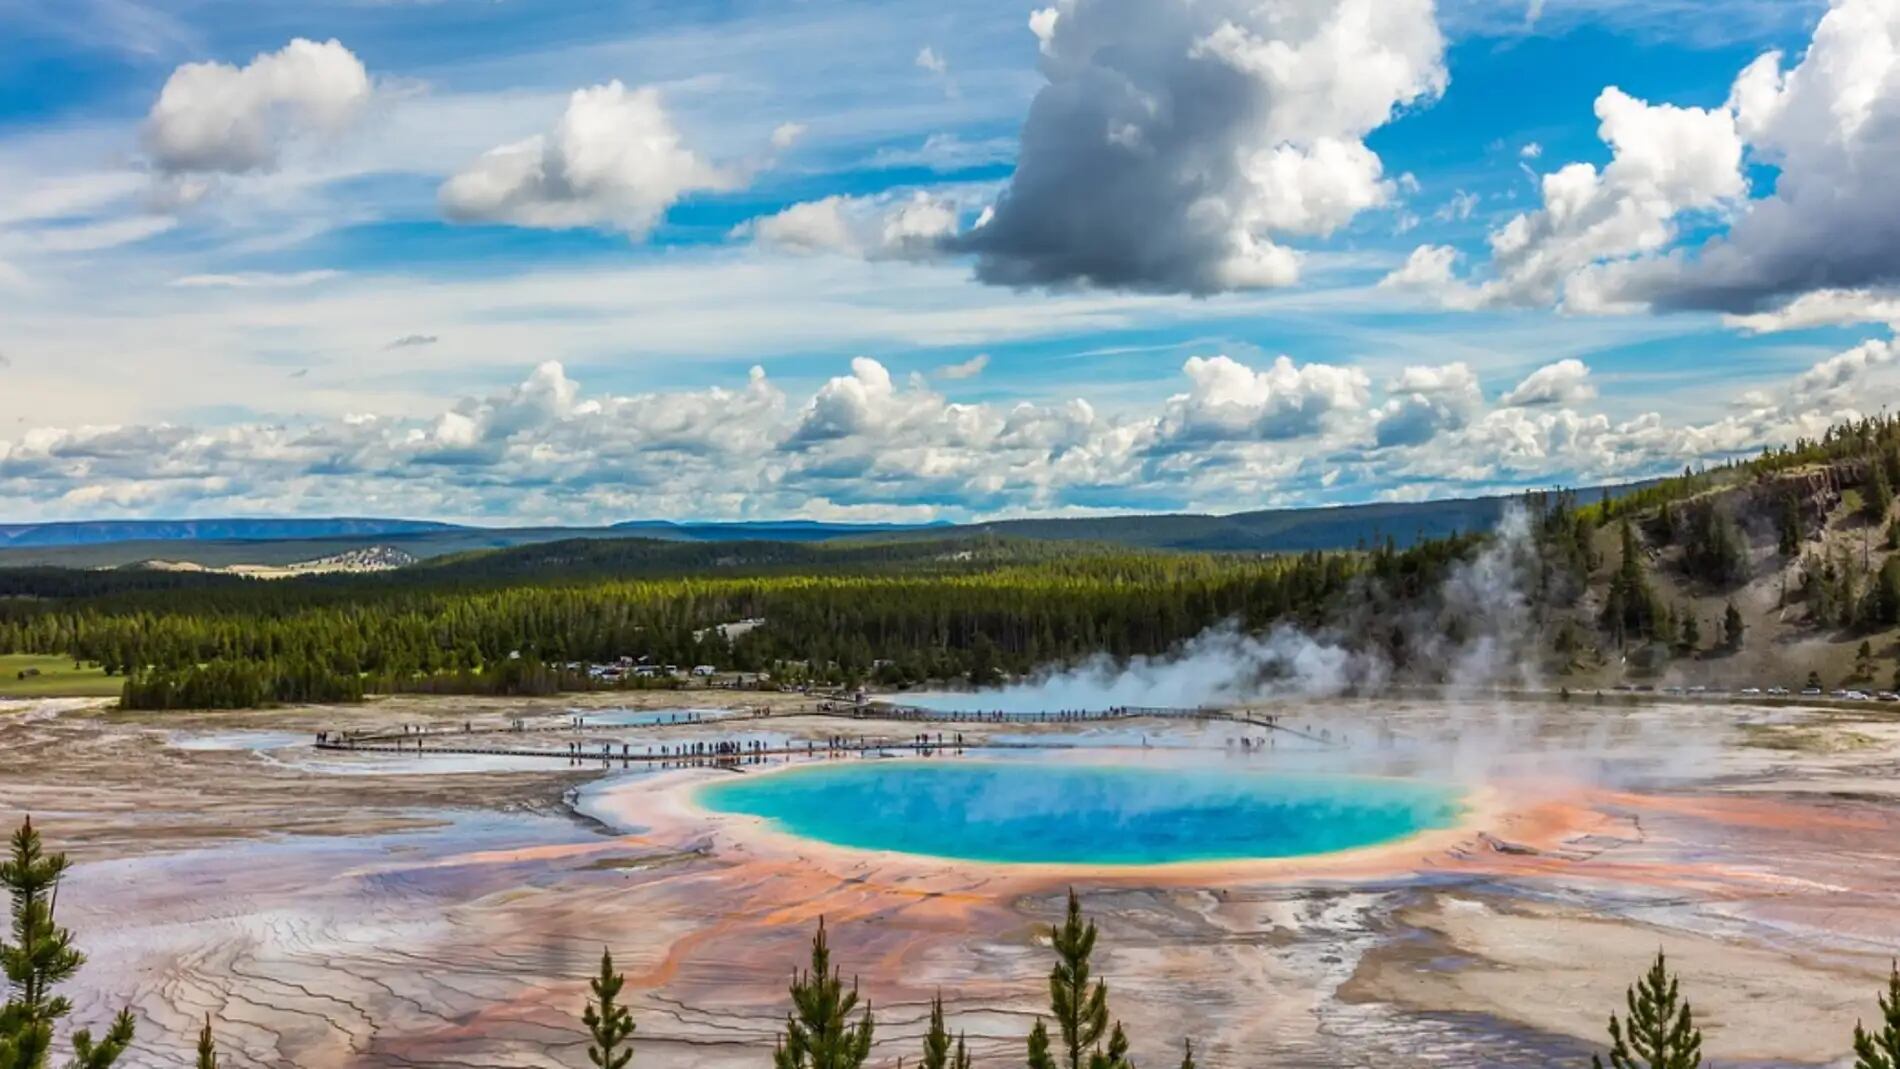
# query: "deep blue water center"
(1084, 814)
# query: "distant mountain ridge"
(1275, 530)
(94, 532)
(226, 542)
(105, 532)
(767, 530)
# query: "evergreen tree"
(207, 1048)
(1187, 1054)
(1660, 1031)
(1116, 1056)
(1714, 548)
(1788, 526)
(1884, 594)
(1080, 1010)
(1881, 1049)
(41, 957)
(818, 1033)
(937, 1039)
(610, 1025)
(1039, 1056)
(1877, 494)
(1732, 628)
(88, 1054)
(1630, 610)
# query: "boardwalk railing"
(683, 754)
(423, 739)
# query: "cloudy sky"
(592, 260)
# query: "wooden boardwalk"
(626, 755)
(438, 741)
(876, 711)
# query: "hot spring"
(1084, 814)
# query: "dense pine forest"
(510, 622)
(521, 620)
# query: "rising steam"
(1482, 602)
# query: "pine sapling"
(610, 1025)
(207, 1048)
(937, 1039)
(1080, 1010)
(818, 1030)
(1660, 1032)
(40, 958)
(1039, 1056)
(1880, 1049)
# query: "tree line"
(825, 1025)
(957, 610)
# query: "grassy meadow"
(56, 678)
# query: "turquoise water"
(1083, 814)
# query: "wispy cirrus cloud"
(244, 280)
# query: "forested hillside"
(1763, 572)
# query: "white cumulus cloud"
(1821, 308)
(1228, 400)
(217, 118)
(1665, 161)
(890, 227)
(1828, 126)
(868, 444)
(1425, 401)
(613, 159)
(1565, 382)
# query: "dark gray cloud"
(1174, 142)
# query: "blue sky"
(500, 260)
